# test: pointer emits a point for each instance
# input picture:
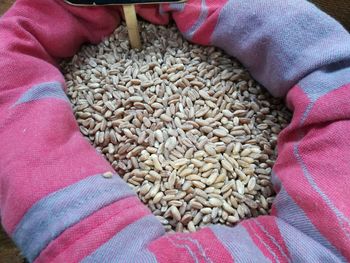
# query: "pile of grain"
(186, 126)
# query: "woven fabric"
(46, 165)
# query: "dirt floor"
(4, 5)
(339, 9)
(8, 251)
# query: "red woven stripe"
(201, 246)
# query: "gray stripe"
(161, 10)
(275, 181)
(341, 218)
(238, 242)
(46, 90)
(303, 248)
(179, 7)
(323, 81)
(291, 213)
(130, 244)
(279, 50)
(201, 19)
(56, 212)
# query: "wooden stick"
(131, 23)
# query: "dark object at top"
(119, 2)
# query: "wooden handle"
(131, 23)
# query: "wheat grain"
(184, 125)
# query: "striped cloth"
(58, 208)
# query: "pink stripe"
(166, 251)
(327, 108)
(203, 34)
(42, 158)
(324, 153)
(151, 14)
(24, 37)
(297, 101)
(259, 241)
(329, 166)
(269, 224)
(307, 199)
(201, 246)
(327, 142)
(264, 228)
(84, 238)
(213, 247)
(181, 241)
(192, 10)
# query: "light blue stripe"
(276, 182)
(179, 7)
(341, 218)
(280, 41)
(323, 81)
(238, 242)
(48, 90)
(201, 19)
(303, 248)
(130, 244)
(50, 216)
(291, 213)
(161, 10)
(304, 117)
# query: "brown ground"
(8, 251)
(4, 5)
(339, 9)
